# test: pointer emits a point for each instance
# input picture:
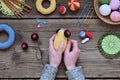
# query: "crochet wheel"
(109, 45)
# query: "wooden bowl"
(105, 19)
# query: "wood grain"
(16, 64)
(35, 14)
(27, 66)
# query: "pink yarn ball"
(115, 16)
(114, 4)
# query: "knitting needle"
(90, 13)
(84, 12)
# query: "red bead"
(34, 36)
(24, 46)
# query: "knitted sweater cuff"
(49, 72)
(75, 74)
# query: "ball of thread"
(104, 1)
(115, 16)
(105, 10)
(114, 4)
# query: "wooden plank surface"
(16, 63)
(35, 14)
(27, 66)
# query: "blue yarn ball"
(11, 38)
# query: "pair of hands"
(70, 57)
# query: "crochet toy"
(109, 45)
(74, 5)
(62, 9)
(61, 36)
(11, 36)
(48, 10)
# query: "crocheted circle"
(11, 34)
(6, 11)
(109, 45)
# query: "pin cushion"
(109, 45)
(6, 11)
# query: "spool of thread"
(85, 40)
(105, 10)
(115, 16)
(114, 4)
(82, 34)
(89, 34)
(62, 9)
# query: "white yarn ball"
(105, 10)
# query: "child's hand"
(70, 57)
(54, 56)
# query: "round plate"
(105, 19)
(5, 10)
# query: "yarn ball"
(115, 16)
(74, 5)
(62, 9)
(114, 4)
(104, 1)
(105, 10)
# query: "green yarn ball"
(109, 45)
(104, 1)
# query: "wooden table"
(24, 64)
